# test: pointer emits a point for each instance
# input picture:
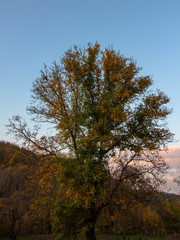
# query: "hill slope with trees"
(28, 188)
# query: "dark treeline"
(28, 186)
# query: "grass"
(113, 237)
(98, 236)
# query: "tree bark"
(13, 221)
(94, 213)
(90, 234)
(49, 226)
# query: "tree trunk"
(90, 234)
(91, 221)
(13, 221)
(49, 226)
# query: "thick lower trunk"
(91, 221)
(90, 234)
(49, 226)
(13, 221)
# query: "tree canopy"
(110, 127)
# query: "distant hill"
(171, 195)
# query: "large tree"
(109, 131)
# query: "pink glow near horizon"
(172, 158)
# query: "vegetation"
(99, 237)
(25, 202)
(22, 201)
(104, 157)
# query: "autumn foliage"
(104, 115)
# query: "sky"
(40, 31)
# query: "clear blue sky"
(39, 31)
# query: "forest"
(28, 187)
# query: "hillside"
(28, 188)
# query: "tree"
(43, 184)
(100, 106)
(16, 166)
